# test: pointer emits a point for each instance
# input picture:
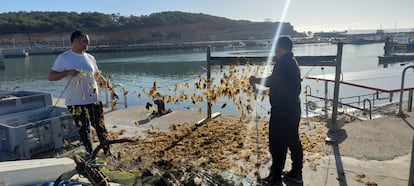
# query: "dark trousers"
(284, 135)
(86, 115)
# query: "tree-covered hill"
(158, 27)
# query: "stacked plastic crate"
(30, 125)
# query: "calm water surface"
(138, 70)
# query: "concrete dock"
(374, 152)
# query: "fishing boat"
(397, 49)
(400, 44)
(229, 47)
(34, 172)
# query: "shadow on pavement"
(291, 183)
(341, 136)
(408, 123)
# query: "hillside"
(52, 28)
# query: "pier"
(335, 37)
(199, 45)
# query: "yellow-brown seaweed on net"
(187, 85)
(176, 87)
(183, 96)
(90, 86)
(155, 86)
(197, 85)
(194, 98)
(148, 106)
(86, 111)
(200, 98)
(78, 82)
(215, 146)
(151, 92)
(102, 122)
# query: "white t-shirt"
(83, 88)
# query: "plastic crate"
(29, 133)
(19, 101)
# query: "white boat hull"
(29, 172)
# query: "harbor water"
(138, 70)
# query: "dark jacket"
(285, 85)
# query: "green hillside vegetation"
(114, 28)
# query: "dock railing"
(328, 61)
(110, 96)
(358, 102)
(410, 92)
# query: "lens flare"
(274, 43)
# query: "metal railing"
(308, 91)
(110, 96)
(124, 93)
(410, 97)
(370, 107)
(353, 102)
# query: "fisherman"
(81, 73)
(285, 87)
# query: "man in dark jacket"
(285, 87)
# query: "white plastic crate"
(19, 101)
(28, 133)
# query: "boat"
(15, 52)
(34, 172)
(397, 49)
(229, 47)
(399, 44)
(241, 45)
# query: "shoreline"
(223, 45)
(25, 51)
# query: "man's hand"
(55, 76)
(73, 72)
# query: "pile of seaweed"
(223, 151)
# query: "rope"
(256, 119)
(60, 96)
(307, 73)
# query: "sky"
(304, 15)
